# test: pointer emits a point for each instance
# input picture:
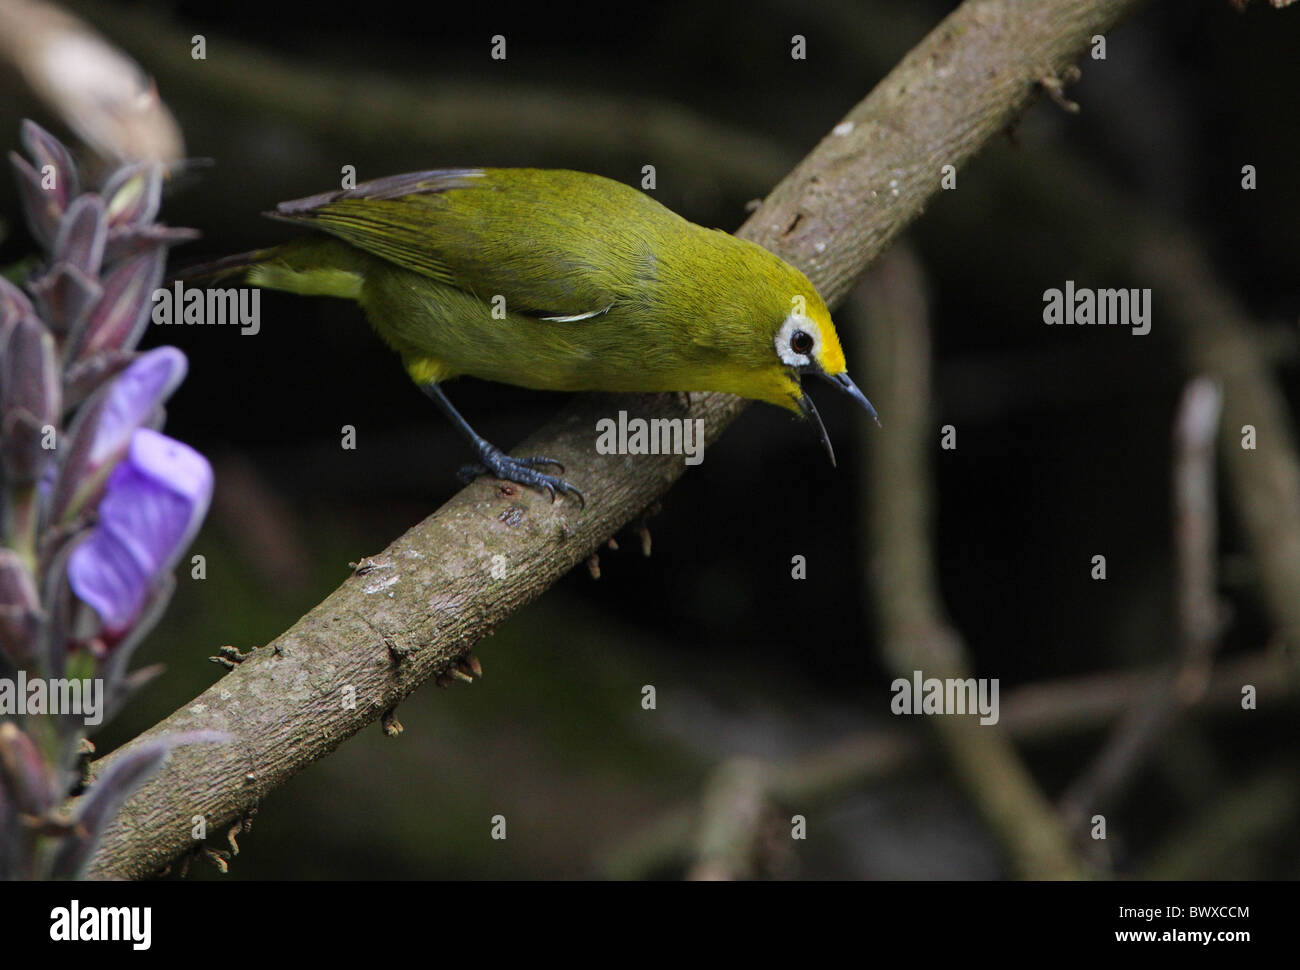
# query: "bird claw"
(539, 461)
(467, 473)
(522, 471)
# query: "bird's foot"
(522, 471)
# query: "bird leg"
(493, 461)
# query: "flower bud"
(46, 150)
(23, 774)
(124, 241)
(19, 609)
(133, 194)
(64, 297)
(85, 377)
(82, 232)
(13, 304)
(30, 400)
(122, 313)
(46, 184)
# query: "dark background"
(1064, 448)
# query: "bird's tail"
(312, 266)
(221, 269)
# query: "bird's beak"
(845, 384)
(810, 411)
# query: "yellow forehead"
(829, 353)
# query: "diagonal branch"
(431, 595)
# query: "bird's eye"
(801, 342)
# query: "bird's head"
(804, 344)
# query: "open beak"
(810, 411)
(845, 384)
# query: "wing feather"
(558, 245)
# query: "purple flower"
(106, 424)
(153, 504)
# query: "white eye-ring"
(798, 340)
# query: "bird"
(555, 280)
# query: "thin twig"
(1035, 714)
(1195, 531)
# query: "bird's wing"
(545, 241)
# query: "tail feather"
(313, 266)
(221, 269)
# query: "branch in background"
(1034, 714)
(1199, 622)
(1221, 338)
(915, 634)
(1216, 333)
(735, 808)
(423, 602)
(99, 92)
(1227, 839)
(449, 116)
(1196, 529)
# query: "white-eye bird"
(555, 280)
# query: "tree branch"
(457, 117)
(1217, 335)
(1034, 714)
(1144, 725)
(431, 595)
(916, 635)
(1221, 338)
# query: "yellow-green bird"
(555, 280)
